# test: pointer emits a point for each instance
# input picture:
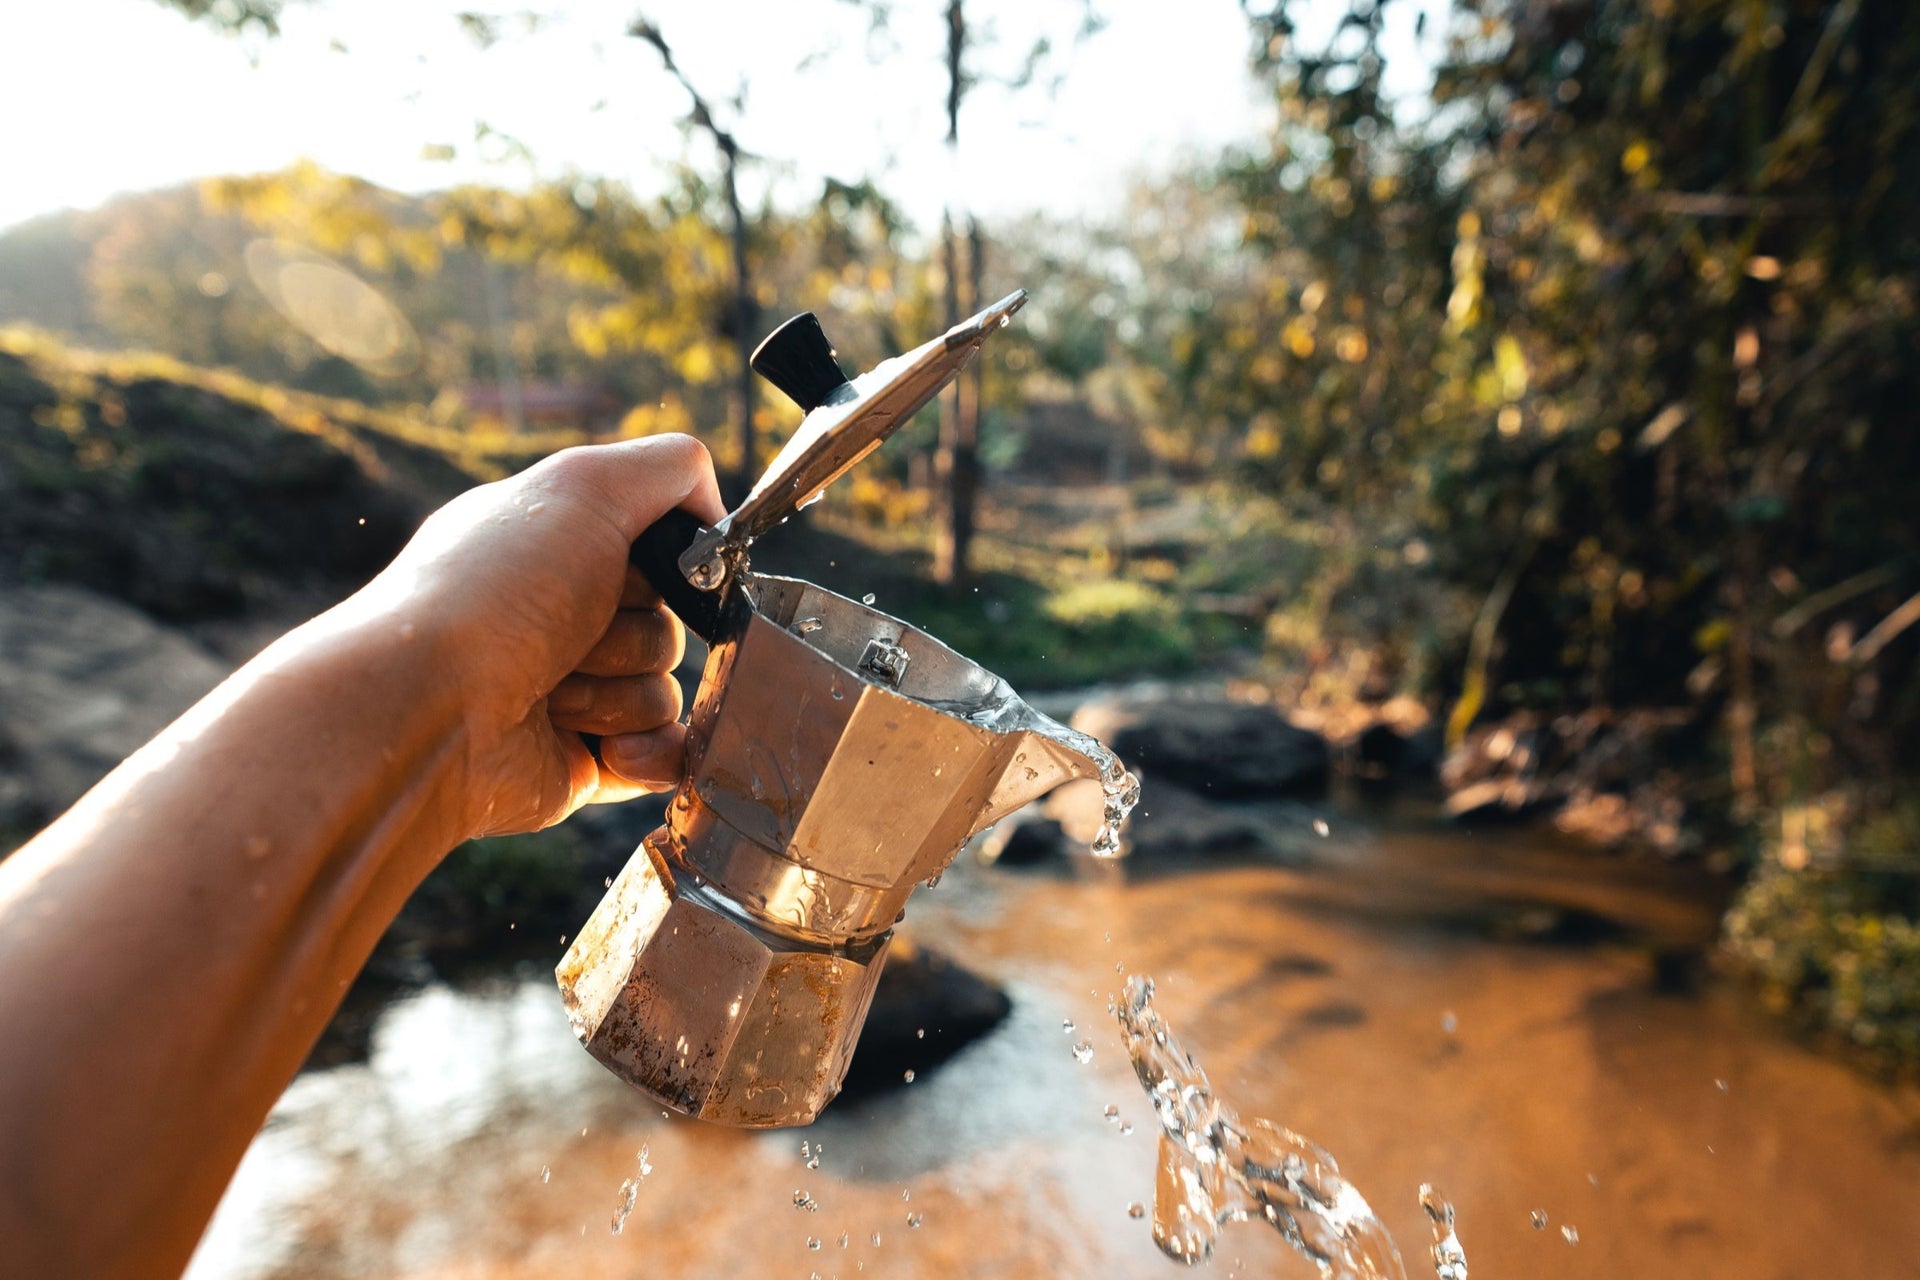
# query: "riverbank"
(1677, 1134)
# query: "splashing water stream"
(1215, 1168)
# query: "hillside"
(196, 494)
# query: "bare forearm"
(170, 949)
(157, 993)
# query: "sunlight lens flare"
(340, 311)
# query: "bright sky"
(103, 96)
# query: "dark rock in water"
(1383, 752)
(1219, 748)
(1173, 823)
(1027, 844)
(926, 1008)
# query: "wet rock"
(1212, 745)
(1173, 824)
(84, 680)
(1497, 802)
(1027, 843)
(1382, 752)
(926, 1008)
(1604, 777)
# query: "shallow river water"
(1357, 995)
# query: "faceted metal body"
(837, 758)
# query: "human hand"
(525, 586)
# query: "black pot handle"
(656, 554)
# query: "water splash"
(1215, 1168)
(629, 1192)
(1119, 792)
(1449, 1259)
(1003, 711)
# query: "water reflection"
(1519, 1076)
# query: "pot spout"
(1041, 754)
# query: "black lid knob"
(798, 359)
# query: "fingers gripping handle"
(656, 554)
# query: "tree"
(962, 252)
(741, 323)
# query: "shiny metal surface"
(837, 435)
(728, 970)
(707, 1013)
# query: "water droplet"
(1112, 1113)
(813, 1242)
(1083, 1052)
(1570, 1233)
(1721, 1085)
(629, 1192)
(1539, 1217)
(1136, 1210)
(1449, 1023)
(914, 1219)
(802, 1200)
(609, 882)
(1320, 827)
(920, 1033)
(1449, 1259)
(932, 881)
(1066, 1025)
(908, 1076)
(1126, 1127)
(546, 1174)
(844, 1239)
(867, 598)
(876, 1239)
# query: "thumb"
(637, 481)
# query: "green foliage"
(1069, 637)
(1829, 925)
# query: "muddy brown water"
(1386, 993)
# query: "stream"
(1477, 1012)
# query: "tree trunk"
(957, 464)
(956, 461)
(746, 321)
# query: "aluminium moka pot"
(836, 758)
